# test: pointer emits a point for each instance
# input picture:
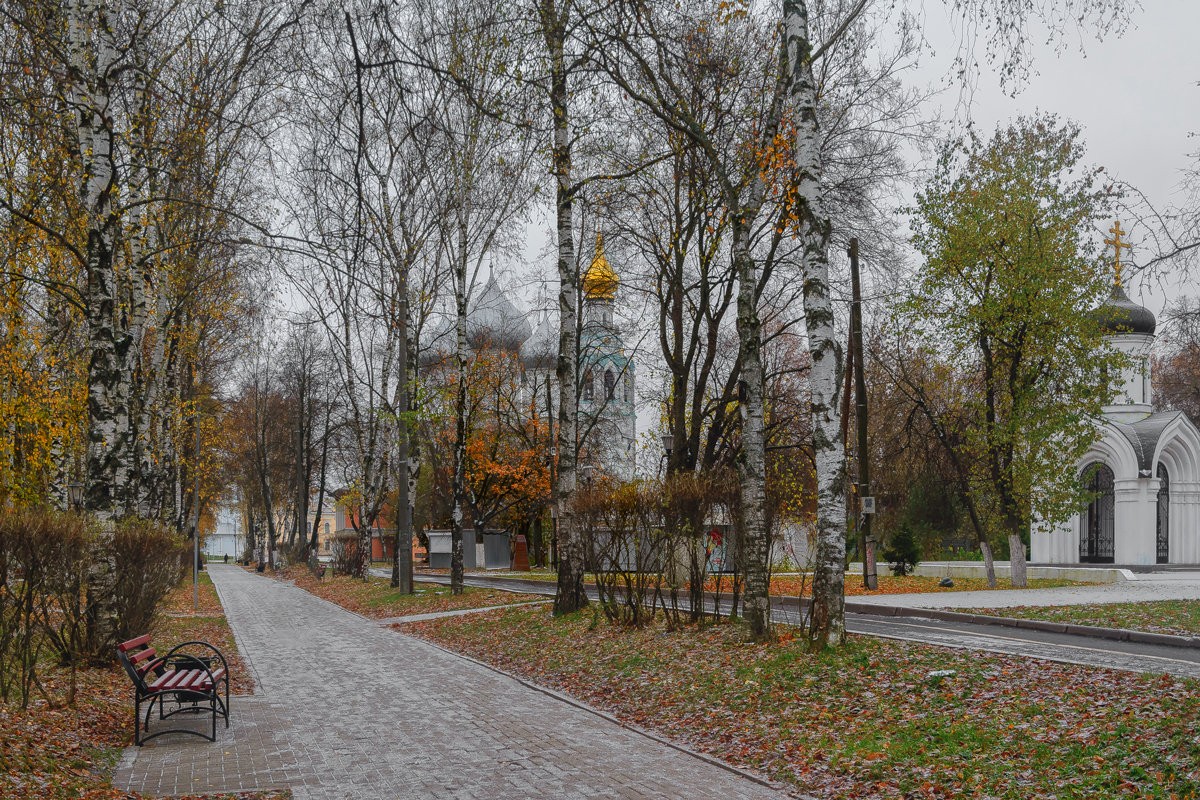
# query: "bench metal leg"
(210, 705)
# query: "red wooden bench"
(195, 683)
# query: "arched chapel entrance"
(1162, 526)
(1096, 536)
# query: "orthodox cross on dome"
(1117, 244)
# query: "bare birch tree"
(156, 130)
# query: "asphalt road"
(1062, 647)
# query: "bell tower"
(606, 395)
(1129, 327)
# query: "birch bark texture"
(827, 620)
(458, 488)
(570, 595)
(402, 560)
(92, 58)
(645, 68)
(150, 205)
(485, 160)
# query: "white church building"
(1143, 472)
(607, 411)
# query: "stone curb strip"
(1094, 631)
(571, 701)
(458, 612)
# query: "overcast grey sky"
(1135, 95)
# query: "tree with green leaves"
(1011, 273)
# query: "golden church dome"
(600, 281)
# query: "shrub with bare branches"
(648, 540)
(71, 589)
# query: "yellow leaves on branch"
(42, 390)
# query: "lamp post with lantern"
(75, 496)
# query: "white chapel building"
(1143, 472)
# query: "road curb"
(1092, 631)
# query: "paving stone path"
(345, 708)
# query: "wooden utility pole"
(870, 578)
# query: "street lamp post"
(554, 535)
(668, 442)
(548, 460)
(196, 522)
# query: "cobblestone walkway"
(347, 709)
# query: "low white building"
(228, 539)
(1143, 472)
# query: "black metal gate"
(1162, 529)
(1096, 522)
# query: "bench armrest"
(174, 657)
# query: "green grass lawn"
(534, 574)
(1180, 617)
(867, 721)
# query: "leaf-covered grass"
(55, 752)
(1179, 617)
(376, 598)
(868, 721)
(181, 601)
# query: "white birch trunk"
(570, 595)
(756, 545)
(92, 54)
(829, 577)
(148, 310)
(61, 457)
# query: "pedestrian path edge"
(602, 714)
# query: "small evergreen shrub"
(902, 552)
